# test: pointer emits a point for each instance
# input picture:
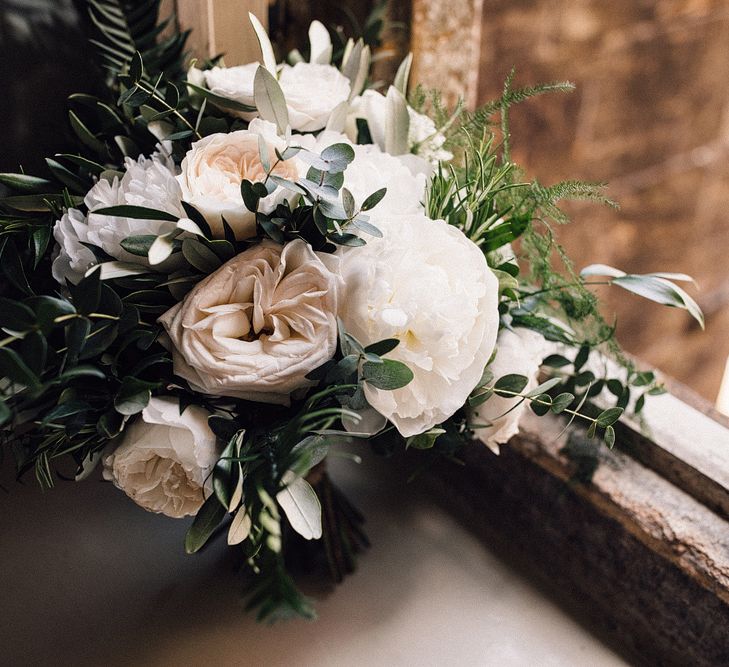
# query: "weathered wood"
(445, 39)
(635, 554)
(222, 26)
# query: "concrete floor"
(86, 578)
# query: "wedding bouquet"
(244, 267)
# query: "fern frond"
(122, 27)
(483, 116)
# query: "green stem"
(161, 100)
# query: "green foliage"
(122, 28)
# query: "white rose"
(312, 91)
(233, 83)
(430, 287)
(214, 167)
(258, 325)
(423, 138)
(165, 458)
(518, 352)
(148, 182)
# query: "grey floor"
(87, 578)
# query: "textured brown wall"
(651, 117)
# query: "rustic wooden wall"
(220, 26)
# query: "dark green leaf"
(582, 357)
(609, 416)
(40, 237)
(136, 212)
(541, 404)
(556, 361)
(251, 197)
(206, 521)
(77, 331)
(132, 397)
(382, 347)
(16, 316)
(15, 369)
(219, 101)
(374, 199)
(200, 256)
(5, 412)
(510, 384)
(562, 402)
(33, 349)
(87, 293)
(26, 184)
(424, 440)
(223, 474)
(609, 436)
(47, 309)
(138, 245)
(198, 219)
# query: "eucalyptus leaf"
(270, 100)
(389, 375)
(510, 384)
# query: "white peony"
(165, 459)
(423, 137)
(518, 352)
(258, 325)
(312, 91)
(148, 182)
(373, 169)
(430, 287)
(233, 83)
(214, 167)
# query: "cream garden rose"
(165, 458)
(214, 167)
(519, 351)
(148, 182)
(258, 325)
(427, 285)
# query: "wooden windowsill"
(642, 550)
